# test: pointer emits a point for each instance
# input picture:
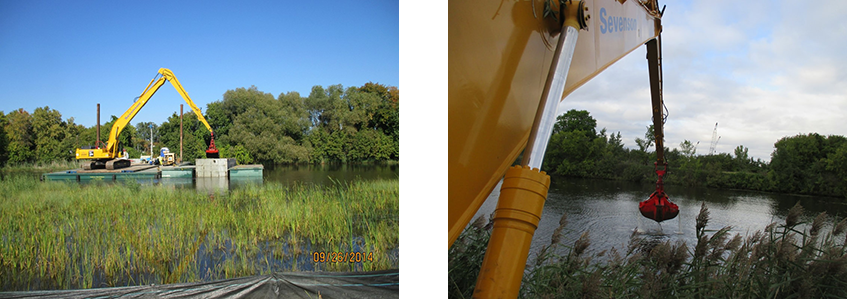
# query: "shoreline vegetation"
(58, 165)
(797, 258)
(805, 164)
(57, 235)
(40, 167)
(330, 125)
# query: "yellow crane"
(511, 64)
(109, 157)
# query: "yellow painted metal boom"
(500, 53)
(111, 149)
(500, 105)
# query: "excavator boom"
(501, 106)
(110, 152)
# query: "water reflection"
(609, 211)
(285, 174)
(324, 174)
(212, 185)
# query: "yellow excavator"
(511, 64)
(108, 157)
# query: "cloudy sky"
(763, 70)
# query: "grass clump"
(57, 235)
(796, 259)
(466, 256)
(40, 167)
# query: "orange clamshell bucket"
(658, 207)
(212, 152)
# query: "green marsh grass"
(795, 259)
(40, 167)
(56, 235)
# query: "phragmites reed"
(479, 223)
(817, 224)
(581, 244)
(777, 262)
(794, 214)
(557, 234)
(678, 257)
(717, 243)
(702, 218)
(733, 244)
(840, 227)
(554, 240)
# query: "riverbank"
(810, 164)
(39, 167)
(713, 178)
(57, 235)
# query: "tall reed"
(57, 235)
(800, 258)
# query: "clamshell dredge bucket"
(658, 207)
(212, 152)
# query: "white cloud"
(764, 70)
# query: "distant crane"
(715, 139)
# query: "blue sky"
(71, 55)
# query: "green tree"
(331, 124)
(21, 146)
(50, 132)
(574, 147)
(742, 159)
(293, 115)
(836, 163)
(141, 139)
(266, 139)
(4, 140)
(328, 110)
(687, 148)
(576, 120)
(647, 142)
(386, 115)
(799, 163)
(195, 137)
(124, 139)
(221, 115)
(270, 130)
(73, 137)
(239, 152)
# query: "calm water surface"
(263, 255)
(324, 174)
(608, 210)
(293, 175)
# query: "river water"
(608, 210)
(323, 175)
(266, 256)
(326, 174)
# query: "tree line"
(803, 164)
(330, 125)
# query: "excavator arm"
(658, 207)
(111, 149)
(501, 106)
